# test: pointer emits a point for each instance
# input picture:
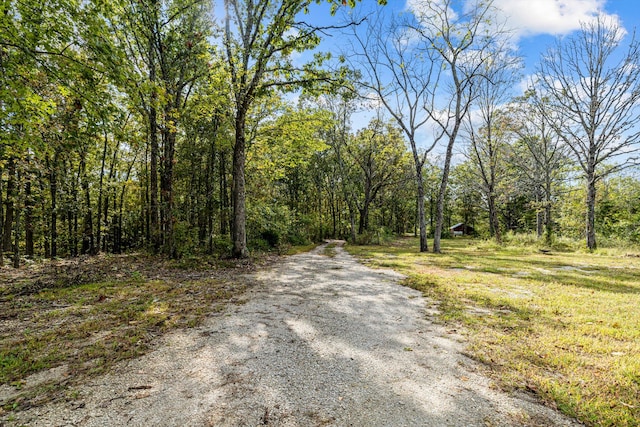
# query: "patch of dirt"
(54, 375)
(321, 341)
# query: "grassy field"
(564, 325)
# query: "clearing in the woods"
(314, 340)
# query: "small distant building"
(461, 229)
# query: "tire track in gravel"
(321, 341)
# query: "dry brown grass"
(564, 325)
(65, 320)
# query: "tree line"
(157, 124)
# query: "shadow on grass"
(566, 268)
(617, 284)
(570, 274)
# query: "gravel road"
(320, 341)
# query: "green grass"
(297, 249)
(565, 325)
(330, 250)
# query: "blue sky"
(536, 24)
(539, 22)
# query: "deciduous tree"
(259, 38)
(591, 85)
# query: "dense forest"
(185, 127)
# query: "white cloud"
(525, 83)
(555, 17)
(532, 17)
(421, 9)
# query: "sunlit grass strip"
(563, 325)
(330, 250)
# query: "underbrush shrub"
(186, 239)
(617, 242)
(271, 237)
(379, 236)
(522, 239)
(564, 244)
(305, 227)
(367, 238)
(296, 238)
(221, 245)
(266, 225)
(531, 239)
(259, 244)
(567, 243)
(270, 227)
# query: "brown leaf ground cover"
(64, 320)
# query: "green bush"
(186, 239)
(221, 244)
(259, 244)
(271, 237)
(267, 223)
(271, 226)
(375, 237)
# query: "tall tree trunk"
(422, 223)
(16, 230)
(123, 190)
(75, 232)
(591, 211)
(71, 239)
(46, 226)
(224, 195)
(101, 193)
(103, 214)
(28, 219)
(209, 205)
(145, 211)
(153, 158)
(334, 215)
(547, 209)
(166, 192)
(53, 191)
(494, 221)
(1, 219)
(364, 211)
(28, 203)
(73, 217)
(9, 204)
(539, 216)
(87, 229)
(153, 180)
(352, 220)
(118, 237)
(442, 192)
(208, 220)
(205, 212)
(239, 231)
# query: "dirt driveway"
(321, 341)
